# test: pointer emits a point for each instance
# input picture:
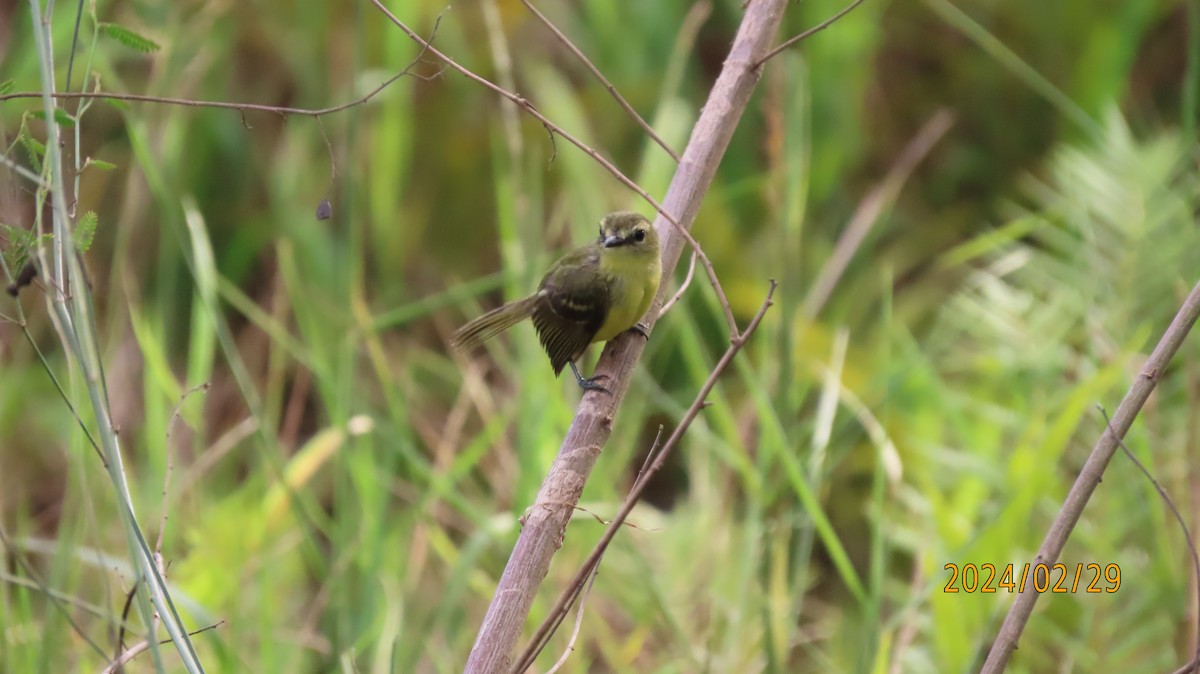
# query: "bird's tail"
(492, 323)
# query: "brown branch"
(582, 594)
(241, 107)
(808, 33)
(593, 560)
(603, 80)
(676, 220)
(546, 523)
(554, 621)
(1089, 478)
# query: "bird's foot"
(589, 383)
(592, 383)
(642, 329)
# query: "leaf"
(100, 164)
(33, 147)
(36, 150)
(5, 87)
(61, 116)
(85, 231)
(18, 241)
(22, 244)
(129, 38)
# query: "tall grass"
(345, 492)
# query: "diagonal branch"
(1089, 477)
(589, 566)
(603, 80)
(546, 522)
(582, 593)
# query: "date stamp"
(1056, 579)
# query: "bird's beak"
(613, 240)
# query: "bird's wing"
(575, 301)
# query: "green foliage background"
(344, 494)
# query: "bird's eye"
(639, 235)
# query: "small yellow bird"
(592, 294)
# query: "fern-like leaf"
(85, 231)
(129, 38)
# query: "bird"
(591, 294)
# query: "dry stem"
(593, 560)
(547, 519)
(1089, 478)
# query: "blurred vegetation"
(346, 492)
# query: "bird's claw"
(589, 383)
(642, 329)
(593, 383)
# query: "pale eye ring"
(639, 235)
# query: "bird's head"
(628, 232)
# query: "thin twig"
(1089, 477)
(654, 447)
(554, 129)
(808, 33)
(328, 148)
(242, 107)
(120, 648)
(687, 281)
(225, 105)
(562, 660)
(1187, 534)
(603, 80)
(533, 650)
(563, 604)
(137, 649)
(74, 43)
(87, 433)
(166, 490)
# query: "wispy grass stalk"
(70, 304)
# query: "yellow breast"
(634, 284)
